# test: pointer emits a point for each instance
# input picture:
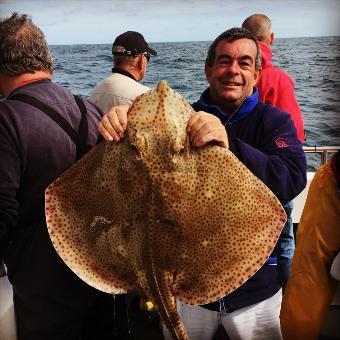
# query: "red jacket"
(277, 88)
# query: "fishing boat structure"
(7, 319)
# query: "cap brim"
(151, 51)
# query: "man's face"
(233, 75)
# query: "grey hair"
(123, 60)
(23, 48)
(231, 35)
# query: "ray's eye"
(138, 146)
(176, 156)
(136, 152)
(176, 147)
(177, 151)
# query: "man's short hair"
(230, 36)
(23, 48)
(123, 60)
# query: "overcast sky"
(99, 21)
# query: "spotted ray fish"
(153, 213)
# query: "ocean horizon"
(191, 41)
(313, 63)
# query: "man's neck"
(10, 83)
(227, 107)
(135, 73)
(124, 72)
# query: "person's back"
(131, 54)
(44, 129)
(275, 86)
(116, 90)
(45, 150)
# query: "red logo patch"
(281, 143)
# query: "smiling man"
(262, 137)
(233, 73)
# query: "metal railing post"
(322, 150)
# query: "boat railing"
(324, 151)
(299, 201)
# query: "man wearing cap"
(131, 54)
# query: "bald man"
(277, 88)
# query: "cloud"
(76, 21)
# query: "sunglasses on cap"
(133, 54)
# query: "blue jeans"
(287, 245)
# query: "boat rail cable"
(324, 151)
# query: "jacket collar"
(27, 84)
(243, 110)
(123, 72)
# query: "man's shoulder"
(273, 72)
(51, 94)
(272, 117)
(48, 92)
(196, 105)
(270, 112)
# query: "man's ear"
(207, 70)
(257, 74)
(140, 62)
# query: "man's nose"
(234, 67)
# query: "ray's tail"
(161, 286)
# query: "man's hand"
(114, 123)
(204, 128)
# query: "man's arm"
(278, 160)
(204, 128)
(114, 123)
(9, 182)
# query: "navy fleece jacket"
(264, 139)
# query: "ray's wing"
(219, 225)
(94, 213)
